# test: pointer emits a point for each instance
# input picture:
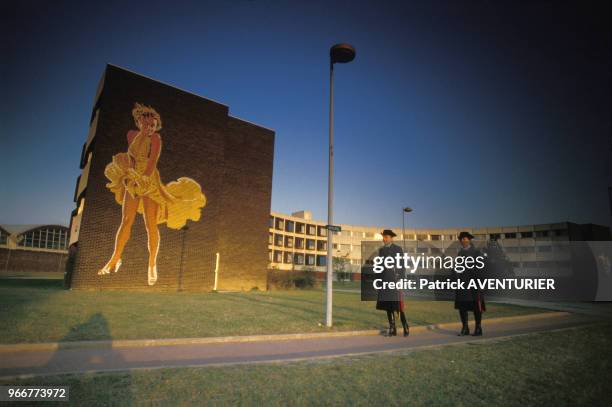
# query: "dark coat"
(469, 299)
(390, 300)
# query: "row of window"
(318, 230)
(543, 264)
(45, 238)
(278, 256)
(297, 227)
(533, 249)
(298, 242)
(281, 257)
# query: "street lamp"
(339, 53)
(404, 212)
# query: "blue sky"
(474, 114)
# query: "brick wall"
(31, 261)
(229, 158)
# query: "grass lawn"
(41, 311)
(568, 368)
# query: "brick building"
(33, 250)
(223, 244)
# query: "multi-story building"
(297, 241)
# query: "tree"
(340, 267)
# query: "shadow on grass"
(100, 357)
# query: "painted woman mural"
(135, 181)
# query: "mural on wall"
(136, 183)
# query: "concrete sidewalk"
(105, 356)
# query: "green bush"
(291, 279)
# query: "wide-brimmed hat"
(388, 232)
(465, 234)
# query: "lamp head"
(342, 53)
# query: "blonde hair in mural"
(136, 184)
(140, 111)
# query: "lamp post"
(341, 53)
(404, 212)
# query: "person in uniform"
(389, 300)
(469, 299)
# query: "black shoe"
(464, 331)
(406, 329)
(392, 330)
(477, 331)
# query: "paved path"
(110, 357)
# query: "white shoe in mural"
(152, 274)
(107, 269)
(104, 270)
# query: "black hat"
(388, 232)
(465, 234)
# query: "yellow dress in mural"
(178, 200)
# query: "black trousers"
(391, 318)
(463, 314)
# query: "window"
(54, 238)
(435, 237)
(310, 244)
(278, 240)
(288, 258)
(288, 241)
(290, 226)
(542, 233)
(3, 237)
(280, 224)
(526, 234)
(310, 259)
(494, 236)
(510, 235)
(321, 245)
(299, 242)
(278, 256)
(271, 222)
(321, 231)
(298, 258)
(321, 260)
(311, 230)
(300, 228)
(271, 238)
(421, 237)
